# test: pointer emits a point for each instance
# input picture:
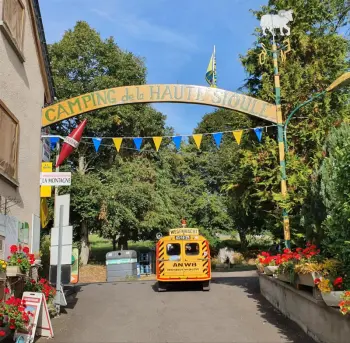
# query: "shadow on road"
(250, 285)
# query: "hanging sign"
(56, 179)
(40, 322)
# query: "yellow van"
(184, 255)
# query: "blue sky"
(176, 38)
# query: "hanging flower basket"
(13, 271)
(270, 270)
(332, 298)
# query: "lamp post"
(340, 82)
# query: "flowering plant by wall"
(326, 285)
(42, 286)
(13, 314)
(21, 258)
(3, 266)
(345, 303)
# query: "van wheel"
(206, 286)
(161, 286)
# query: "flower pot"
(307, 279)
(260, 268)
(13, 270)
(270, 270)
(333, 298)
(285, 277)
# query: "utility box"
(121, 264)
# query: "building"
(25, 87)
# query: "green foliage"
(335, 191)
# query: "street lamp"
(340, 82)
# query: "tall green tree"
(83, 62)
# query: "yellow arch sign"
(158, 93)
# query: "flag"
(177, 141)
(97, 142)
(217, 138)
(137, 142)
(44, 212)
(258, 131)
(210, 75)
(238, 136)
(198, 140)
(117, 142)
(157, 141)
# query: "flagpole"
(213, 66)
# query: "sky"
(175, 38)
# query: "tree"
(335, 192)
(82, 62)
(319, 55)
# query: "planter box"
(323, 323)
(2, 275)
(333, 298)
(270, 270)
(284, 277)
(12, 271)
(307, 279)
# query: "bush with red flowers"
(13, 314)
(42, 286)
(21, 258)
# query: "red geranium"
(338, 282)
(26, 250)
(317, 281)
(6, 291)
(2, 333)
(13, 249)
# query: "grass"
(101, 246)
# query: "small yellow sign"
(45, 191)
(186, 231)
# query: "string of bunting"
(157, 140)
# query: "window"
(13, 16)
(173, 249)
(192, 248)
(9, 129)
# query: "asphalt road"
(233, 311)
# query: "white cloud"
(144, 29)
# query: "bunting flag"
(44, 213)
(177, 141)
(157, 141)
(258, 131)
(198, 140)
(53, 142)
(97, 143)
(117, 143)
(238, 136)
(217, 138)
(137, 142)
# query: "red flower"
(26, 250)
(298, 249)
(8, 257)
(43, 281)
(19, 260)
(338, 281)
(2, 333)
(12, 327)
(317, 281)
(32, 281)
(7, 291)
(13, 249)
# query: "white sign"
(65, 201)
(56, 179)
(40, 322)
(67, 241)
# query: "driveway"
(233, 311)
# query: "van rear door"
(169, 259)
(194, 260)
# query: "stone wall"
(324, 324)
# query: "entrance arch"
(158, 93)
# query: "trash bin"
(121, 264)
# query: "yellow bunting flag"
(157, 141)
(44, 213)
(238, 136)
(198, 140)
(117, 142)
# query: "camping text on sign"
(56, 179)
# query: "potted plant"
(13, 315)
(345, 303)
(20, 261)
(285, 271)
(269, 262)
(330, 290)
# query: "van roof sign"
(183, 231)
